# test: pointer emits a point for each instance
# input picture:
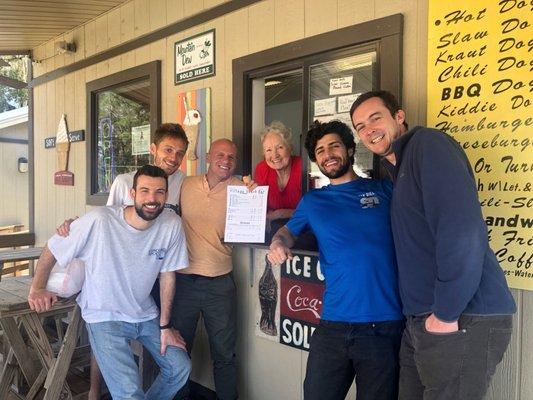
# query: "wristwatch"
(167, 326)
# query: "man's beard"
(345, 167)
(148, 217)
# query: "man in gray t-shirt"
(124, 250)
(168, 148)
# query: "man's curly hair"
(320, 129)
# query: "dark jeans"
(339, 351)
(458, 365)
(214, 298)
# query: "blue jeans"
(110, 342)
(340, 351)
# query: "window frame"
(152, 71)
(384, 36)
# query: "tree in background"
(11, 98)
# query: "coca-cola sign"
(301, 300)
(302, 289)
(298, 301)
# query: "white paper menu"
(246, 214)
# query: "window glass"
(333, 87)
(123, 131)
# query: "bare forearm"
(280, 246)
(40, 299)
(167, 285)
(42, 271)
(285, 236)
(281, 213)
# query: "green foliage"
(13, 98)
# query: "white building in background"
(13, 168)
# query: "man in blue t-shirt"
(361, 323)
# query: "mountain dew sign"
(194, 57)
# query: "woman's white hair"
(281, 130)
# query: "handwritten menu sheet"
(480, 85)
(246, 214)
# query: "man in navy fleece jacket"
(454, 293)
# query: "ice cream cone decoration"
(62, 144)
(63, 176)
(191, 127)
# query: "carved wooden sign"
(63, 176)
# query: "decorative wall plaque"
(63, 176)
(194, 57)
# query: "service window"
(323, 89)
(317, 78)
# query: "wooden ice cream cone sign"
(62, 144)
(190, 125)
(63, 176)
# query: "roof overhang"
(25, 24)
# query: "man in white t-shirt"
(124, 250)
(168, 148)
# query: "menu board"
(480, 85)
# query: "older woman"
(280, 171)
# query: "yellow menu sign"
(480, 91)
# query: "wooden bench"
(14, 267)
(8, 256)
(11, 229)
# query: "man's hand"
(435, 325)
(279, 253)
(171, 337)
(64, 228)
(41, 300)
(249, 182)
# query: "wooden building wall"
(267, 371)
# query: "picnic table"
(34, 357)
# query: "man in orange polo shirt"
(207, 285)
